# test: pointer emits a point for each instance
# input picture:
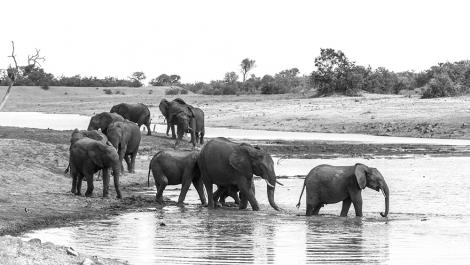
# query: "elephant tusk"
(269, 184)
(279, 183)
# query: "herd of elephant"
(115, 136)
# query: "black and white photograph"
(234, 132)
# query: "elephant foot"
(180, 204)
(159, 200)
(218, 204)
(88, 194)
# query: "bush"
(108, 91)
(183, 91)
(441, 86)
(273, 88)
(45, 86)
(172, 91)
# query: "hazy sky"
(201, 40)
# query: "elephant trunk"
(270, 190)
(386, 193)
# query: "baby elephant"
(331, 184)
(173, 168)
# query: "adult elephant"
(87, 156)
(224, 163)
(103, 120)
(181, 114)
(125, 136)
(93, 134)
(138, 113)
(331, 184)
(174, 168)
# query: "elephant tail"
(302, 193)
(67, 169)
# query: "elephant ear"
(361, 171)
(240, 161)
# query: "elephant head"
(163, 106)
(103, 120)
(250, 160)
(373, 179)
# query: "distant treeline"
(334, 74)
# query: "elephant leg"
(74, 175)
(105, 182)
(127, 158)
(357, 202)
(345, 208)
(133, 162)
(243, 201)
(197, 183)
(79, 184)
(121, 153)
(246, 187)
(173, 134)
(202, 137)
(313, 207)
(148, 128)
(116, 184)
(90, 187)
(160, 183)
(210, 195)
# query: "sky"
(201, 40)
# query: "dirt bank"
(14, 251)
(393, 115)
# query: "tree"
(246, 66)
(161, 80)
(137, 78)
(230, 77)
(12, 73)
(174, 79)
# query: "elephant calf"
(223, 192)
(173, 168)
(331, 184)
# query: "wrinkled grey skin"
(77, 135)
(224, 163)
(138, 113)
(103, 120)
(173, 168)
(125, 136)
(223, 192)
(181, 114)
(331, 184)
(199, 127)
(87, 156)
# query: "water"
(72, 121)
(429, 223)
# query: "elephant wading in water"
(225, 163)
(138, 113)
(331, 184)
(173, 168)
(125, 137)
(223, 192)
(87, 156)
(103, 120)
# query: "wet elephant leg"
(243, 201)
(313, 207)
(148, 128)
(173, 134)
(197, 183)
(160, 182)
(105, 182)
(246, 187)
(357, 202)
(210, 196)
(345, 208)
(79, 184)
(184, 189)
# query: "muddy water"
(72, 121)
(429, 223)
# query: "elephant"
(138, 113)
(125, 136)
(223, 192)
(173, 168)
(181, 114)
(163, 106)
(87, 156)
(77, 135)
(331, 184)
(103, 120)
(223, 162)
(199, 127)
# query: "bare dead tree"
(35, 58)
(11, 76)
